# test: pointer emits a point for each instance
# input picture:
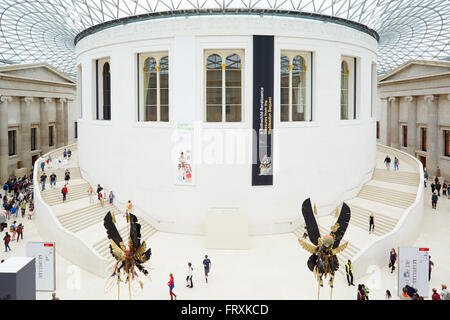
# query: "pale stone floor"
(274, 267)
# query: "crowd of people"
(17, 195)
(436, 187)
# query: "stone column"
(395, 136)
(25, 131)
(385, 120)
(412, 120)
(60, 122)
(4, 154)
(432, 134)
(66, 122)
(43, 126)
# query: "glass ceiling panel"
(44, 30)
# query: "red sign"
(48, 244)
(424, 249)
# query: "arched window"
(223, 87)
(106, 92)
(295, 87)
(155, 88)
(344, 90)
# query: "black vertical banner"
(263, 64)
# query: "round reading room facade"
(196, 113)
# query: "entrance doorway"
(423, 160)
(34, 159)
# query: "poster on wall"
(182, 155)
(44, 255)
(263, 74)
(413, 264)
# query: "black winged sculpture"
(323, 259)
(127, 260)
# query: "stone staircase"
(54, 196)
(86, 217)
(397, 177)
(387, 196)
(360, 218)
(60, 174)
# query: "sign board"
(263, 74)
(182, 155)
(44, 254)
(413, 265)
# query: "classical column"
(412, 120)
(25, 149)
(43, 126)
(4, 155)
(432, 134)
(66, 122)
(385, 120)
(60, 122)
(395, 136)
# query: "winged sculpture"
(323, 260)
(128, 260)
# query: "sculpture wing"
(135, 232)
(308, 247)
(310, 221)
(111, 230)
(116, 251)
(340, 248)
(141, 255)
(341, 225)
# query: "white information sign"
(44, 254)
(413, 268)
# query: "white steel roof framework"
(44, 30)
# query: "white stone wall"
(327, 159)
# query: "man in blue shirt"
(207, 266)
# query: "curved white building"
(155, 86)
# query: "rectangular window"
(33, 138)
(373, 88)
(447, 143)
(348, 87)
(405, 136)
(50, 136)
(12, 142)
(153, 87)
(80, 89)
(102, 89)
(223, 85)
(295, 86)
(378, 129)
(423, 139)
(76, 129)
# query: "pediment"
(414, 69)
(40, 72)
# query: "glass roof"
(44, 30)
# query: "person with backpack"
(64, 192)
(434, 200)
(171, 285)
(6, 240)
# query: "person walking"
(64, 192)
(430, 266)
(396, 163)
(371, 222)
(90, 194)
(42, 165)
(128, 208)
(448, 191)
(360, 293)
(65, 154)
(43, 179)
(111, 197)
(438, 188)
(100, 198)
(366, 291)
(425, 176)
(206, 266)
(6, 240)
(349, 272)
(444, 189)
(434, 200)
(436, 180)
(387, 161)
(388, 295)
(19, 230)
(189, 283)
(433, 187)
(435, 295)
(23, 207)
(69, 153)
(444, 292)
(12, 229)
(53, 180)
(392, 259)
(67, 176)
(171, 285)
